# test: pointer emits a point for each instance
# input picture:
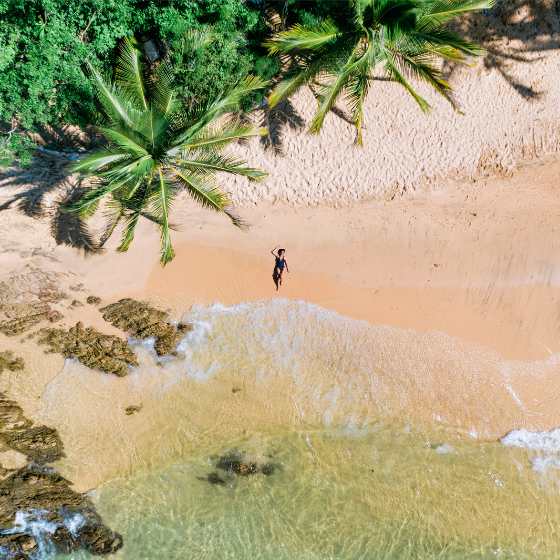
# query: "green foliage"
(341, 53)
(44, 44)
(15, 148)
(157, 148)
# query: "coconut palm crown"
(397, 40)
(156, 149)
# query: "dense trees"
(44, 43)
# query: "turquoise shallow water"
(361, 423)
(380, 494)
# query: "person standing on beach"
(279, 265)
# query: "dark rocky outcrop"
(10, 362)
(132, 409)
(40, 444)
(236, 463)
(92, 348)
(141, 320)
(93, 300)
(39, 496)
(39, 511)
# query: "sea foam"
(544, 445)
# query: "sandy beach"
(464, 273)
(419, 317)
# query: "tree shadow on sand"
(43, 188)
(276, 120)
(514, 31)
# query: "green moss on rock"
(92, 348)
(141, 320)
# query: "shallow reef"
(141, 320)
(39, 511)
(92, 348)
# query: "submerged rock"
(141, 320)
(132, 409)
(93, 300)
(10, 362)
(39, 511)
(238, 463)
(92, 348)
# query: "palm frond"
(214, 162)
(303, 38)
(445, 43)
(126, 139)
(330, 93)
(95, 162)
(228, 103)
(161, 90)
(421, 68)
(435, 13)
(218, 137)
(208, 197)
(393, 72)
(91, 198)
(130, 75)
(115, 106)
(298, 76)
(356, 93)
(161, 204)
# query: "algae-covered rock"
(39, 444)
(93, 300)
(239, 463)
(39, 494)
(132, 409)
(33, 495)
(10, 362)
(141, 320)
(92, 348)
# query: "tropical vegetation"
(185, 68)
(371, 39)
(158, 146)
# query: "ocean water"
(385, 444)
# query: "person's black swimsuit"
(280, 264)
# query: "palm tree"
(156, 149)
(372, 39)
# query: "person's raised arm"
(273, 253)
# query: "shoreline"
(494, 293)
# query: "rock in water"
(39, 511)
(37, 504)
(237, 462)
(92, 348)
(40, 444)
(141, 320)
